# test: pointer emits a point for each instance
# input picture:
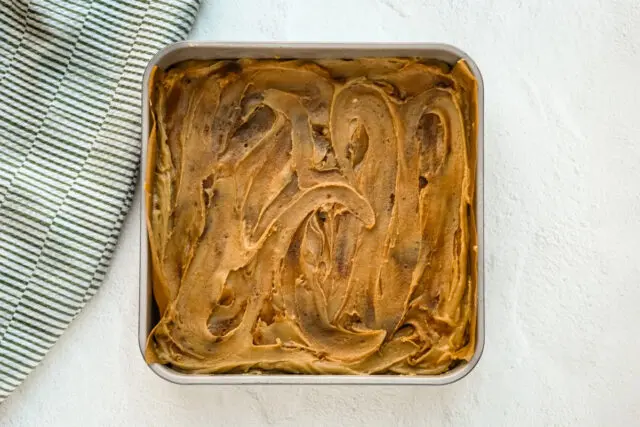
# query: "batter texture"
(313, 217)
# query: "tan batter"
(313, 217)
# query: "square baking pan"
(218, 50)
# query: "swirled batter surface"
(313, 217)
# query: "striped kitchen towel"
(70, 84)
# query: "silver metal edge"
(144, 326)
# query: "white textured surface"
(562, 162)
